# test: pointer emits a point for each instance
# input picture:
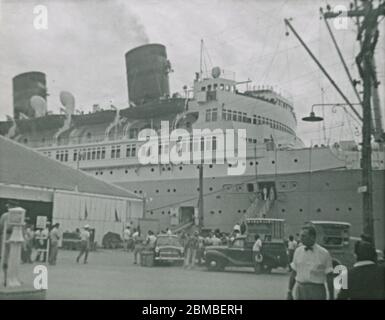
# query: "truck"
(239, 253)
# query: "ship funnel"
(147, 73)
(25, 86)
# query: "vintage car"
(335, 237)
(239, 254)
(168, 248)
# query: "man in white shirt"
(311, 269)
(126, 237)
(84, 243)
(291, 246)
(54, 237)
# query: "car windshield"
(168, 241)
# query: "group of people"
(45, 241)
(312, 275)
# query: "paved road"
(111, 274)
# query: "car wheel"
(215, 264)
(267, 269)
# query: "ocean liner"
(282, 178)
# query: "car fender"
(216, 254)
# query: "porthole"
(337, 209)
(273, 162)
(151, 212)
(168, 190)
(152, 169)
(168, 212)
(96, 173)
(180, 168)
(211, 189)
(163, 212)
(239, 211)
(198, 189)
(212, 212)
(140, 191)
(230, 165)
(169, 169)
(135, 191)
(256, 163)
(283, 210)
(319, 210)
(101, 173)
(244, 210)
(300, 210)
(220, 211)
(174, 190)
(163, 169)
(157, 191)
(295, 160)
(126, 171)
(218, 197)
(111, 172)
(350, 209)
(251, 163)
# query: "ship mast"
(365, 63)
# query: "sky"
(82, 50)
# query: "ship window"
(209, 87)
(117, 151)
(93, 154)
(250, 187)
(244, 119)
(203, 89)
(66, 156)
(239, 116)
(88, 154)
(222, 86)
(215, 86)
(111, 172)
(254, 119)
(112, 152)
(98, 153)
(152, 169)
(88, 135)
(208, 115)
(295, 160)
(133, 151)
(103, 153)
(211, 95)
(214, 114)
(126, 171)
(75, 157)
(283, 210)
(300, 210)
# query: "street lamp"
(313, 118)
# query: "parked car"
(71, 240)
(168, 248)
(239, 254)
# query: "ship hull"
(300, 197)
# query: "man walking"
(84, 243)
(366, 280)
(291, 246)
(192, 247)
(54, 237)
(311, 269)
(127, 238)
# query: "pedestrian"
(5, 234)
(311, 269)
(126, 237)
(28, 244)
(169, 232)
(42, 243)
(366, 280)
(264, 193)
(138, 244)
(150, 240)
(192, 247)
(291, 246)
(84, 243)
(257, 254)
(54, 238)
(237, 228)
(215, 241)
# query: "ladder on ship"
(258, 208)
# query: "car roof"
(330, 222)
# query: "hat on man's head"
(87, 226)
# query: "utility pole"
(369, 30)
(201, 207)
